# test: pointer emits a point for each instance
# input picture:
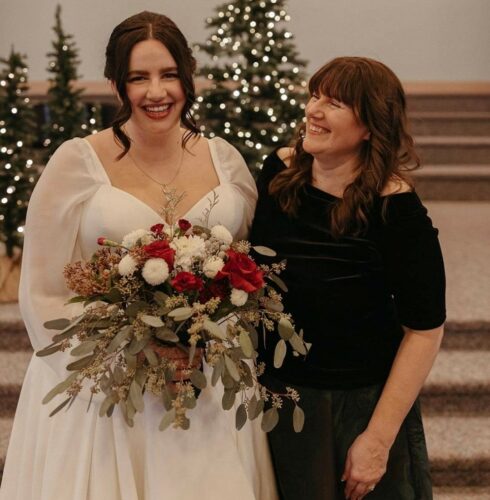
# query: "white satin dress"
(77, 455)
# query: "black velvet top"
(351, 296)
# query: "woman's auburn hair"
(138, 28)
(377, 99)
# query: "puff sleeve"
(51, 241)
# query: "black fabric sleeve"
(414, 263)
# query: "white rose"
(238, 297)
(221, 233)
(127, 265)
(212, 266)
(129, 241)
(155, 271)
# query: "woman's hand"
(365, 465)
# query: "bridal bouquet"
(181, 286)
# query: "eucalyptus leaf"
(76, 300)
(100, 323)
(181, 313)
(285, 328)
(113, 296)
(104, 407)
(141, 376)
(268, 252)
(185, 423)
(60, 407)
(279, 282)
(228, 382)
(274, 305)
(119, 375)
(167, 419)
(217, 371)
(151, 356)
(297, 344)
(259, 408)
(270, 419)
(280, 353)
(248, 377)
(252, 331)
(124, 410)
(110, 411)
(80, 363)
(190, 401)
(66, 334)
(166, 334)
(135, 307)
(137, 345)
(130, 359)
(214, 329)
(298, 419)
(61, 387)
(135, 393)
(240, 417)
(118, 339)
(192, 353)
(251, 406)
(154, 321)
(160, 298)
(246, 344)
(86, 347)
(232, 368)
(198, 379)
(228, 399)
(57, 324)
(166, 398)
(50, 349)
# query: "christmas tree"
(256, 80)
(66, 112)
(17, 132)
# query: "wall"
(422, 40)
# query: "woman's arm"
(368, 455)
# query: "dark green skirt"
(309, 465)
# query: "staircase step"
(477, 101)
(475, 493)
(453, 182)
(459, 450)
(453, 150)
(450, 123)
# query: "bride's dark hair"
(377, 99)
(138, 28)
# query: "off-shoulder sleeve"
(237, 174)
(51, 232)
(415, 267)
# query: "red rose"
(161, 250)
(187, 281)
(101, 240)
(242, 272)
(184, 225)
(214, 289)
(157, 229)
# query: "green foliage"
(67, 114)
(18, 174)
(256, 81)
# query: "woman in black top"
(366, 285)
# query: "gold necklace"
(163, 185)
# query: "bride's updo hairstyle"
(377, 99)
(138, 28)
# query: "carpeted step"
(476, 100)
(450, 123)
(453, 182)
(453, 150)
(475, 493)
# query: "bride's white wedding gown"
(77, 455)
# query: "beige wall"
(422, 40)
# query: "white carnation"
(238, 297)
(212, 266)
(127, 265)
(222, 234)
(129, 241)
(155, 271)
(188, 249)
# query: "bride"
(108, 185)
